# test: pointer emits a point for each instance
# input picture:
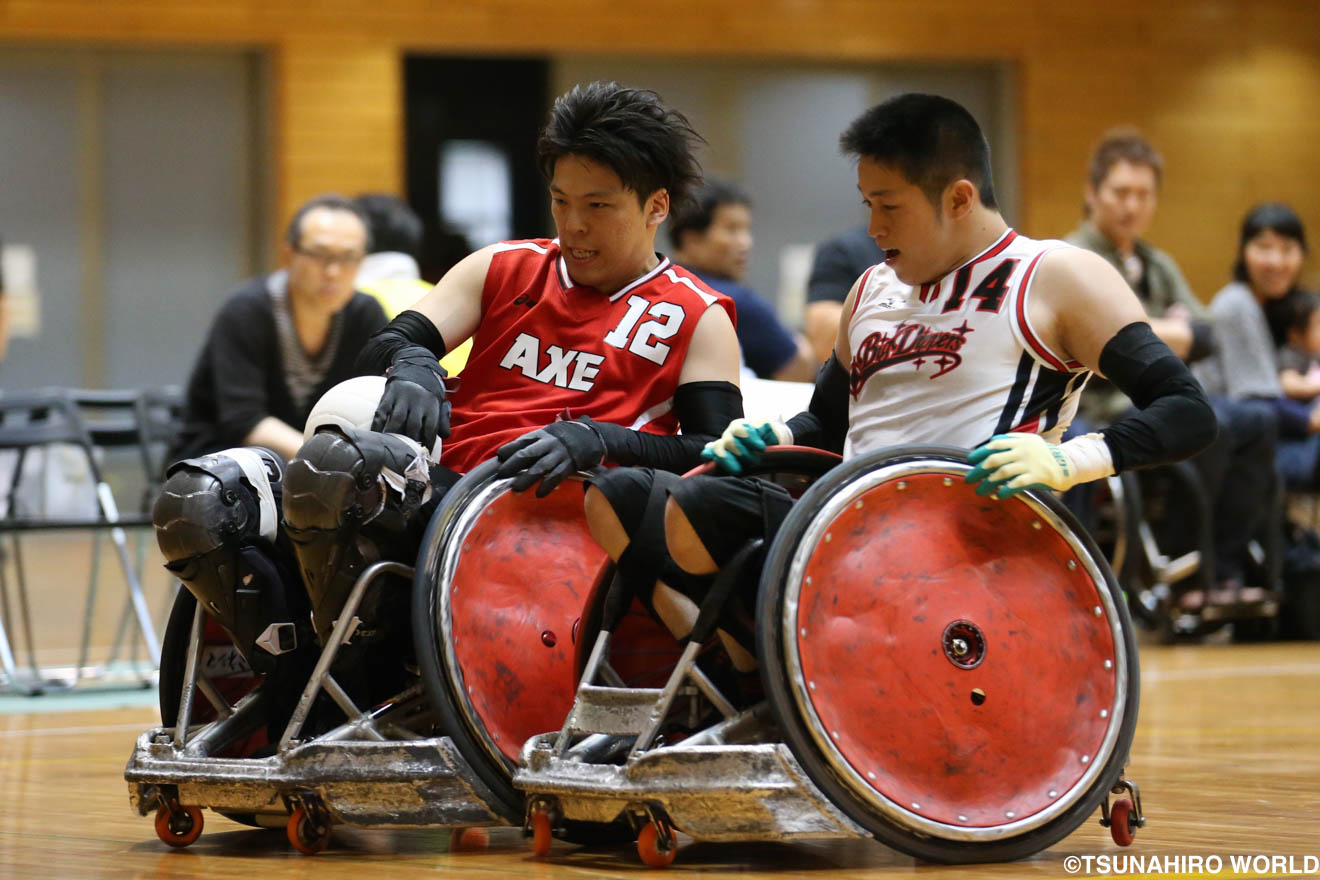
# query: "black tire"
(496, 774)
(778, 689)
(173, 660)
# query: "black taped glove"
(550, 454)
(414, 402)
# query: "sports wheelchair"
(1155, 528)
(952, 675)
(501, 597)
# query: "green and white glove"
(742, 443)
(1010, 463)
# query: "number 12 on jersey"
(668, 318)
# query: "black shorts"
(725, 512)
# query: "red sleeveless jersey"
(546, 346)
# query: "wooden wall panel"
(1228, 89)
(338, 118)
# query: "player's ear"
(657, 207)
(961, 197)
(285, 253)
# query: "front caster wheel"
(307, 835)
(1122, 826)
(178, 826)
(542, 833)
(656, 845)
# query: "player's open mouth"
(580, 254)
(891, 254)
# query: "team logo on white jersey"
(914, 343)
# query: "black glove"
(550, 454)
(414, 402)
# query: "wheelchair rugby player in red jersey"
(588, 349)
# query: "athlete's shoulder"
(527, 248)
(1021, 244)
(671, 279)
(878, 279)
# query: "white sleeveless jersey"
(956, 361)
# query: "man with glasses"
(282, 340)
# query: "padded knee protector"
(350, 499)
(216, 523)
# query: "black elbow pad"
(1174, 418)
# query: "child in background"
(1299, 364)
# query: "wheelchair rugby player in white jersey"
(947, 662)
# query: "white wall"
(132, 175)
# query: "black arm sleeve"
(825, 423)
(704, 410)
(1174, 420)
(408, 328)
(1203, 341)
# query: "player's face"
(324, 263)
(918, 244)
(607, 238)
(1123, 206)
(723, 249)
(1273, 263)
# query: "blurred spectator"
(1121, 192)
(1120, 199)
(712, 238)
(837, 265)
(1299, 356)
(1250, 322)
(282, 340)
(390, 271)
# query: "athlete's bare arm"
(712, 356)
(454, 305)
(1079, 302)
(842, 347)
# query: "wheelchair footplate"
(711, 792)
(364, 783)
(372, 770)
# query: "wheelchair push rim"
(496, 625)
(956, 672)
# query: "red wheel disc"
(521, 585)
(955, 652)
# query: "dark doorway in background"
(470, 138)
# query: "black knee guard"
(216, 523)
(351, 498)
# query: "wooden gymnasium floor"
(1227, 755)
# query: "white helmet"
(351, 404)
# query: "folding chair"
(40, 421)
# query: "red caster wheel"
(461, 839)
(308, 836)
(1121, 826)
(656, 845)
(179, 826)
(541, 833)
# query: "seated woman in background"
(1250, 323)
